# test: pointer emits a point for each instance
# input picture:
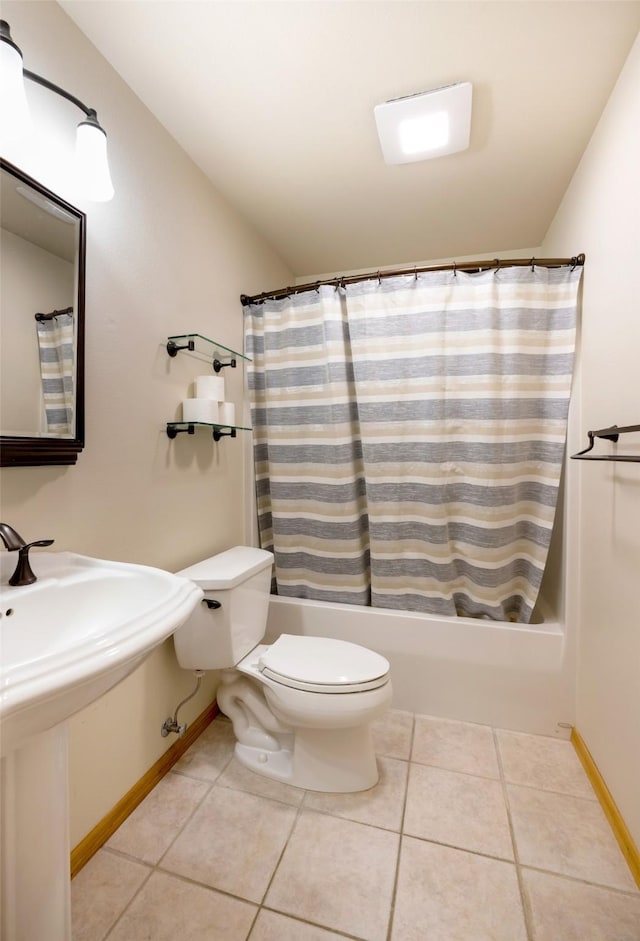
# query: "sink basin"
(64, 641)
(76, 632)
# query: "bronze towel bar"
(611, 434)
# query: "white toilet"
(301, 707)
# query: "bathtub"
(510, 676)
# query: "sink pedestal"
(34, 839)
(66, 639)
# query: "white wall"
(600, 215)
(166, 256)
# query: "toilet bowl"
(301, 707)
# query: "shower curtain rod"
(53, 313)
(575, 261)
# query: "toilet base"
(339, 761)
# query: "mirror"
(42, 285)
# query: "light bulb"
(92, 164)
(424, 133)
(16, 119)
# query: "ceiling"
(274, 101)
(25, 212)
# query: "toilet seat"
(323, 665)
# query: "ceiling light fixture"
(92, 163)
(42, 203)
(428, 124)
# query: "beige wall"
(599, 215)
(31, 279)
(169, 256)
(166, 256)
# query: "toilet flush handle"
(211, 603)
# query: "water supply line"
(171, 725)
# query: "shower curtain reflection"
(57, 358)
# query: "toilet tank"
(215, 638)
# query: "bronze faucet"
(23, 574)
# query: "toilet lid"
(323, 665)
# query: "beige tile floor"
(472, 834)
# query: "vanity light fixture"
(428, 124)
(92, 165)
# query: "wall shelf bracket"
(194, 342)
(217, 365)
(173, 348)
(173, 429)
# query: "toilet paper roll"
(210, 387)
(204, 410)
(227, 413)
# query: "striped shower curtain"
(409, 435)
(56, 345)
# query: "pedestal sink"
(65, 640)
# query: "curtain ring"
(379, 278)
(532, 263)
(415, 272)
(455, 273)
(317, 287)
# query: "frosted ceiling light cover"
(429, 124)
(419, 135)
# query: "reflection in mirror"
(41, 323)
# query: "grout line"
(312, 924)
(187, 821)
(524, 901)
(548, 790)
(283, 851)
(129, 903)
(205, 885)
(253, 922)
(625, 893)
(520, 868)
(276, 800)
(157, 866)
(298, 811)
(394, 891)
(460, 849)
(469, 774)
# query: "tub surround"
(508, 675)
